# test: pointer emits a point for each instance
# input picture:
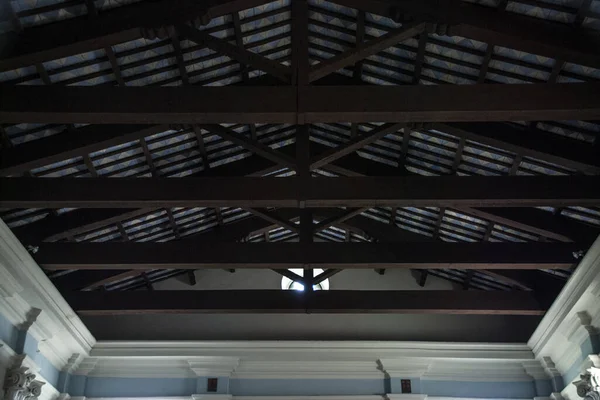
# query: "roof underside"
(462, 149)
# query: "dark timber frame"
(414, 302)
(310, 104)
(296, 92)
(178, 255)
(408, 191)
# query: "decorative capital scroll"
(588, 387)
(20, 384)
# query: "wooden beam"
(82, 220)
(522, 282)
(364, 50)
(360, 37)
(239, 41)
(254, 146)
(91, 280)
(528, 141)
(337, 219)
(78, 142)
(291, 301)
(485, 64)
(63, 226)
(201, 146)
(537, 281)
(177, 255)
(175, 42)
(406, 191)
(452, 103)
(306, 229)
(121, 24)
(354, 145)
(487, 24)
(449, 103)
(240, 54)
(523, 140)
(145, 105)
(328, 273)
(192, 278)
(274, 219)
(69, 144)
(538, 222)
(420, 57)
(527, 219)
(294, 277)
(114, 64)
(423, 277)
(300, 56)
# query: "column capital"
(20, 383)
(588, 387)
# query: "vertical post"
(306, 217)
(300, 61)
(360, 38)
(300, 67)
(306, 236)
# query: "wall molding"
(313, 350)
(313, 360)
(346, 397)
(580, 294)
(23, 288)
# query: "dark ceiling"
(449, 84)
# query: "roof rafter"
(528, 141)
(240, 54)
(118, 25)
(71, 143)
(91, 279)
(337, 219)
(82, 220)
(489, 25)
(80, 280)
(274, 219)
(354, 144)
(364, 50)
(252, 145)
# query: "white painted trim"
(475, 398)
(230, 397)
(23, 286)
(585, 278)
(293, 369)
(143, 398)
(352, 397)
(308, 359)
(312, 350)
(212, 397)
(407, 396)
(313, 360)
